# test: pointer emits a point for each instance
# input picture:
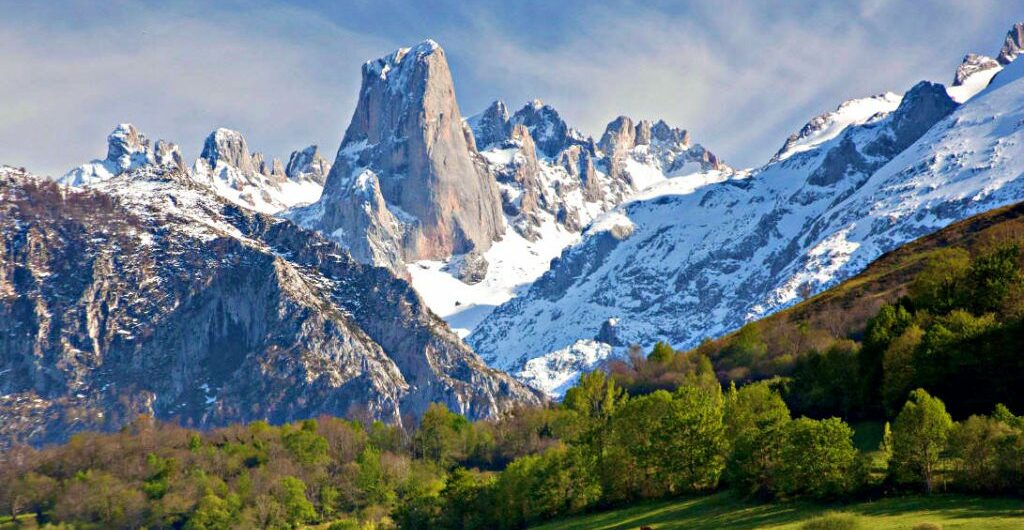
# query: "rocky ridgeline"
(225, 163)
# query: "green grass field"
(726, 512)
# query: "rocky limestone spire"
(972, 64)
(127, 149)
(922, 106)
(1012, 45)
(579, 164)
(308, 164)
(126, 145)
(669, 147)
(619, 137)
(167, 154)
(408, 133)
(228, 146)
(491, 126)
(662, 132)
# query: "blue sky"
(741, 76)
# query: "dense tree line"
(655, 425)
(598, 448)
(957, 333)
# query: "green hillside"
(724, 511)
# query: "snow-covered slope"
(829, 125)
(553, 183)
(683, 266)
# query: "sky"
(740, 76)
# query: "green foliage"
(297, 508)
(755, 417)
(817, 459)
(898, 370)
(826, 383)
(466, 499)
(661, 353)
(212, 513)
(306, 446)
(535, 488)
(747, 348)
(444, 437)
(372, 480)
(992, 276)
(664, 444)
(939, 286)
(919, 437)
(987, 452)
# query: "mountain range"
(239, 287)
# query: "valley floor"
(727, 512)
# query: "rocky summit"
(408, 182)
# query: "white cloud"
(280, 76)
(740, 75)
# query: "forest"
(935, 368)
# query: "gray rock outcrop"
(1012, 45)
(308, 164)
(972, 64)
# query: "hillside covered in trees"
(926, 342)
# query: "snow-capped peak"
(826, 126)
(976, 71)
(247, 178)
(971, 65)
(127, 149)
(546, 126)
(396, 68)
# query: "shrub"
(832, 521)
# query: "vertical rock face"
(407, 142)
(230, 147)
(1012, 45)
(619, 137)
(308, 164)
